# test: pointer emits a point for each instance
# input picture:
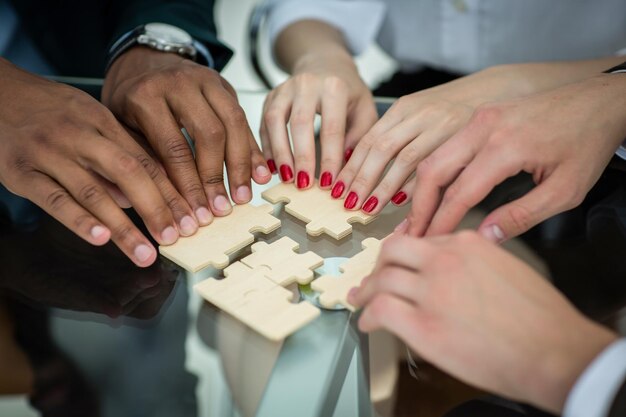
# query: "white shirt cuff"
(358, 21)
(594, 392)
(621, 151)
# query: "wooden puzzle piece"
(212, 244)
(321, 212)
(334, 290)
(250, 296)
(285, 266)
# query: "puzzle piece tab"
(321, 212)
(251, 297)
(284, 264)
(212, 244)
(334, 290)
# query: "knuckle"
(487, 115)
(90, 194)
(332, 128)
(212, 178)
(454, 197)
(177, 150)
(127, 164)
(329, 161)
(360, 182)
(273, 117)
(469, 237)
(149, 166)
(409, 156)
(237, 117)
(335, 84)
(82, 222)
(384, 146)
(55, 200)
(426, 169)
(520, 217)
(300, 118)
(123, 232)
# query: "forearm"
(309, 41)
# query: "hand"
(328, 85)
(480, 314)
(410, 130)
(564, 138)
(159, 93)
(65, 152)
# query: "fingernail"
(143, 253)
(286, 174)
(493, 233)
(188, 226)
(348, 154)
(351, 200)
(243, 193)
(326, 179)
(271, 165)
(370, 204)
(401, 228)
(261, 171)
(399, 198)
(303, 179)
(169, 235)
(222, 204)
(204, 215)
(338, 189)
(97, 231)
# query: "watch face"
(167, 34)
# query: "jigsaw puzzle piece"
(257, 301)
(285, 266)
(212, 244)
(334, 290)
(314, 206)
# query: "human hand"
(65, 152)
(564, 138)
(329, 86)
(480, 314)
(159, 93)
(410, 130)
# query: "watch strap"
(617, 69)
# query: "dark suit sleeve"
(74, 35)
(618, 409)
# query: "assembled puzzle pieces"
(212, 244)
(254, 295)
(334, 290)
(284, 264)
(321, 212)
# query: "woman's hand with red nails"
(477, 312)
(324, 81)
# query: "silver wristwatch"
(161, 37)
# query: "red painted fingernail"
(351, 200)
(326, 179)
(348, 154)
(399, 197)
(303, 179)
(370, 204)
(271, 165)
(286, 174)
(338, 189)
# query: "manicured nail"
(169, 235)
(348, 154)
(243, 193)
(143, 253)
(338, 189)
(261, 171)
(286, 174)
(271, 165)
(402, 227)
(399, 198)
(326, 179)
(204, 216)
(222, 204)
(370, 204)
(97, 232)
(303, 179)
(493, 233)
(351, 200)
(188, 226)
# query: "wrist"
(332, 56)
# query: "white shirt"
(464, 36)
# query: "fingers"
(332, 136)
(265, 137)
(432, 176)
(394, 280)
(261, 173)
(488, 169)
(275, 119)
(555, 195)
(238, 140)
(361, 119)
(163, 132)
(303, 133)
(393, 314)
